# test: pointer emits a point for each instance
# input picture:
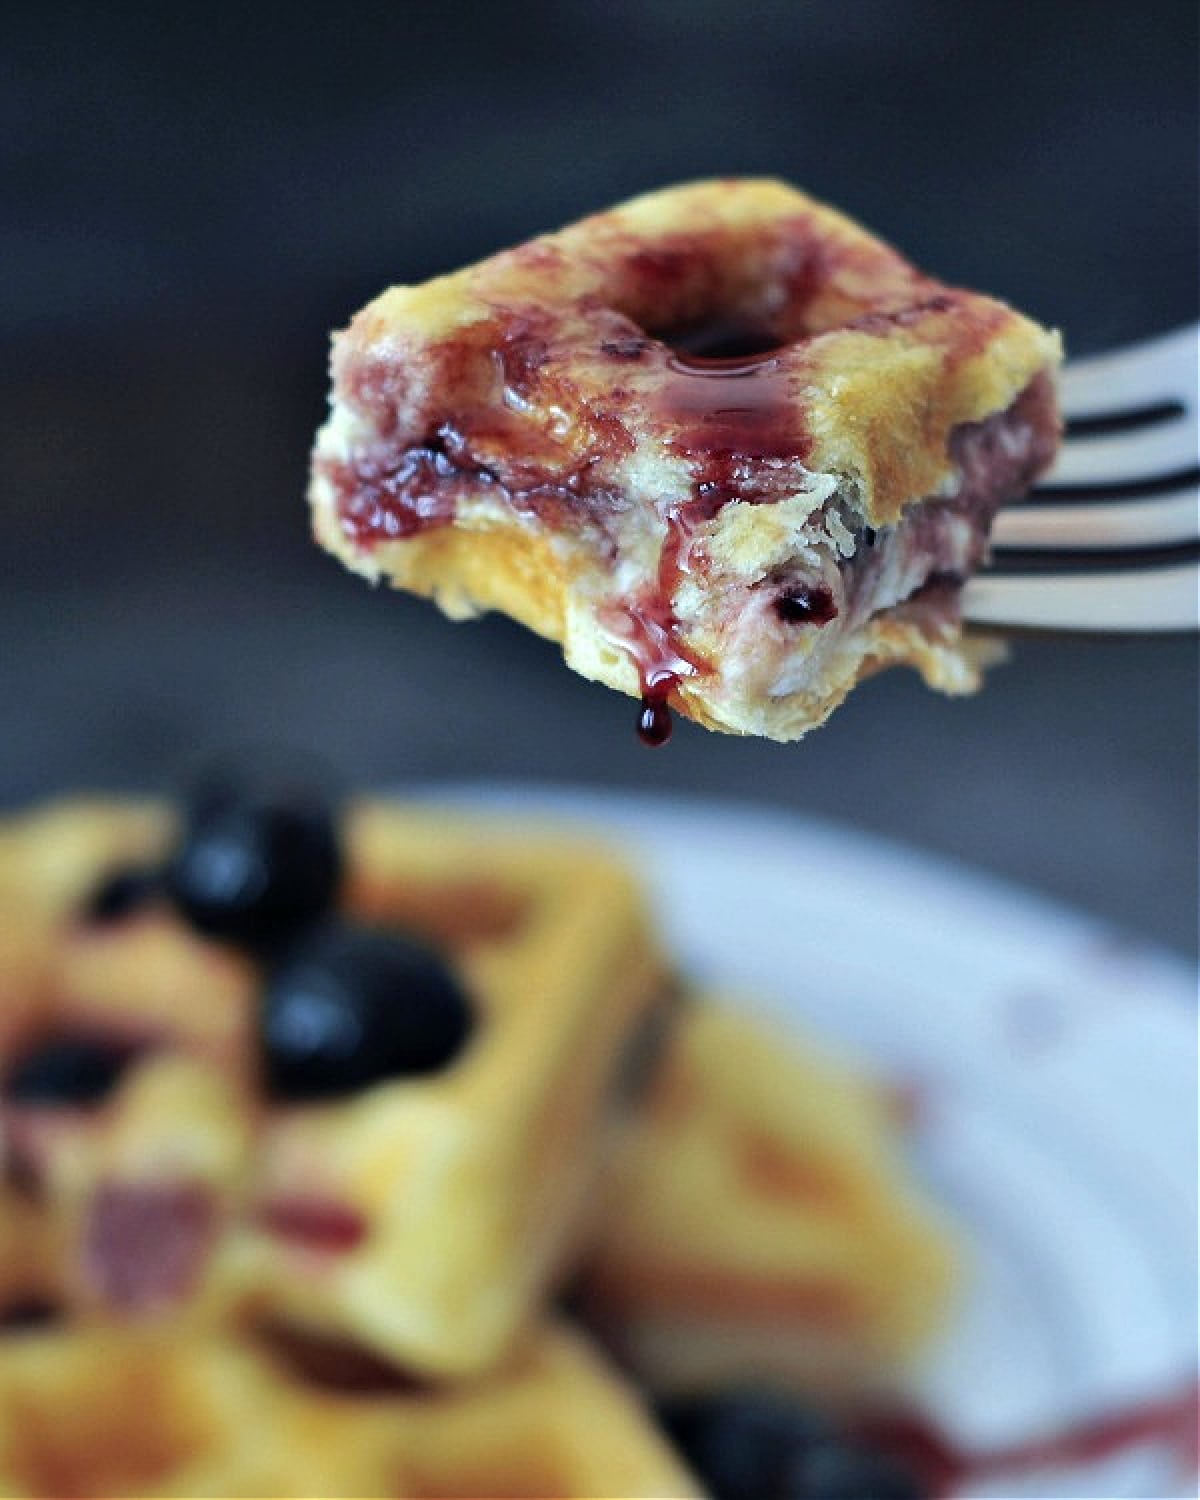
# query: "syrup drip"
(1170, 1423)
(654, 720)
(661, 658)
(721, 413)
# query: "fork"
(1110, 540)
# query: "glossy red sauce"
(384, 496)
(650, 631)
(724, 410)
(388, 490)
(722, 414)
(1169, 1423)
(654, 724)
(320, 1225)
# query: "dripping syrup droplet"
(654, 721)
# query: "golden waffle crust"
(762, 1225)
(97, 1414)
(423, 1217)
(726, 447)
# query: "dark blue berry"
(67, 1070)
(741, 1444)
(255, 871)
(839, 1470)
(349, 1007)
(122, 893)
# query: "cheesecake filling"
(799, 611)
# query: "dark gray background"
(195, 196)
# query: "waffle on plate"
(762, 1224)
(305, 1118)
(180, 1120)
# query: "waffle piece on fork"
(727, 448)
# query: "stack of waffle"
(384, 1154)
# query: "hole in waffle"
(644, 1055)
(332, 1363)
(72, 1068)
(720, 340)
(25, 1314)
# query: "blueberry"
(839, 1470)
(255, 870)
(348, 1007)
(67, 1070)
(121, 893)
(742, 1443)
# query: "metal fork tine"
(1166, 521)
(1159, 370)
(1148, 458)
(1169, 447)
(1131, 601)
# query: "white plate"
(1055, 1064)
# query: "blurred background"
(195, 195)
